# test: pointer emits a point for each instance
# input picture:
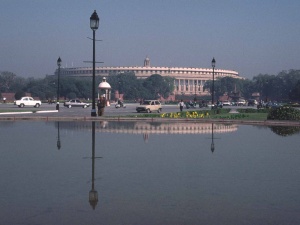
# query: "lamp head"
(213, 62)
(59, 62)
(94, 21)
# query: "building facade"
(188, 80)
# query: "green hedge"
(251, 110)
(284, 113)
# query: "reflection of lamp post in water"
(58, 144)
(146, 137)
(212, 146)
(93, 194)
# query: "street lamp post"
(213, 64)
(94, 24)
(58, 75)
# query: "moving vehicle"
(190, 105)
(120, 104)
(76, 103)
(149, 106)
(28, 101)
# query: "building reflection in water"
(58, 144)
(93, 194)
(145, 128)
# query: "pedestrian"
(181, 104)
(101, 105)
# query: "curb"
(166, 120)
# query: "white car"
(149, 106)
(28, 101)
(226, 103)
(241, 102)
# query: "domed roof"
(104, 84)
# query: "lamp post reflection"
(93, 194)
(58, 144)
(212, 146)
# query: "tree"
(19, 94)
(125, 83)
(39, 87)
(71, 95)
(158, 86)
(276, 87)
(295, 92)
(231, 86)
(6, 81)
(68, 86)
(281, 87)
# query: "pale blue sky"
(249, 36)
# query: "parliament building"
(188, 80)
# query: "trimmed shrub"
(284, 113)
(250, 110)
(234, 116)
(219, 111)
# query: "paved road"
(50, 111)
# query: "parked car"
(252, 102)
(27, 101)
(149, 106)
(270, 105)
(226, 103)
(241, 102)
(76, 103)
(217, 105)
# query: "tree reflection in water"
(285, 130)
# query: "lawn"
(243, 116)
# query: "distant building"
(10, 97)
(188, 80)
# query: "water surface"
(147, 173)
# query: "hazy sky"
(249, 36)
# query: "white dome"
(104, 84)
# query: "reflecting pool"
(148, 173)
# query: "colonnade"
(189, 87)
